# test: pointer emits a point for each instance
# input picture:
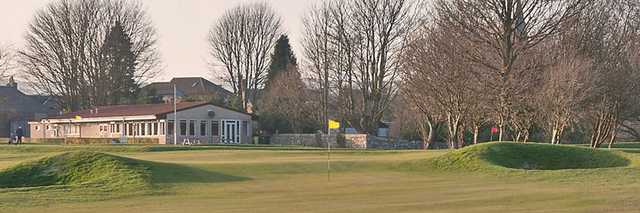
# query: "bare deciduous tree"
(609, 34)
(426, 113)
(353, 48)
(501, 33)
(62, 56)
(569, 81)
(5, 62)
(444, 80)
(242, 40)
(285, 104)
(317, 49)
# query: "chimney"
(12, 83)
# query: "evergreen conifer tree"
(120, 63)
(281, 58)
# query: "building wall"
(90, 130)
(200, 114)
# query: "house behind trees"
(18, 108)
(190, 89)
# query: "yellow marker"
(334, 124)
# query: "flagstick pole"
(328, 152)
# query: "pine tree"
(281, 58)
(120, 63)
(284, 107)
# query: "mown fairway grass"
(289, 179)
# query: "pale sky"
(182, 27)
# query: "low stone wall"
(353, 141)
(356, 141)
(385, 143)
(314, 140)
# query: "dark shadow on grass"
(175, 173)
(632, 151)
(550, 157)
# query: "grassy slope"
(296, 181)
(82, 176)
(528, 156)
(78, 169)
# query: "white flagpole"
(175, 116)
(328, 161)
(328, 151)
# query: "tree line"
(529, 68)
(90, 53)
(525, 65)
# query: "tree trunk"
(475, 134)
(613, 138)
(461, 137)
(453, 125)
(501, 132)
(426, 134)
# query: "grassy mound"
(97, 170)
(528, 157)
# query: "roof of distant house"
(133, 110)
(13, 100)
(190, 86)
(163, 88)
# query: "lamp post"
(175, 116)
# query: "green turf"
(47, 148)
(529, 156)
(88, 169)
(271, 179)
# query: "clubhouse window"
(170, 126)
(155, 128)
(183, 127)
(192, 128)
(203, 128)
(214, 128)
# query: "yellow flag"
(78, 117)
(334, 124)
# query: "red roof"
(130, 110)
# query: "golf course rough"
(529, 156)
(79, 169)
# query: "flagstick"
(328, 153)
(328, 168)
(328, 161)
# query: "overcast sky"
(182, 28)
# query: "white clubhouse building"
(196, 123)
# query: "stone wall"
(353, 141)
(356, 141)
(314, 140)
(374, 142)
